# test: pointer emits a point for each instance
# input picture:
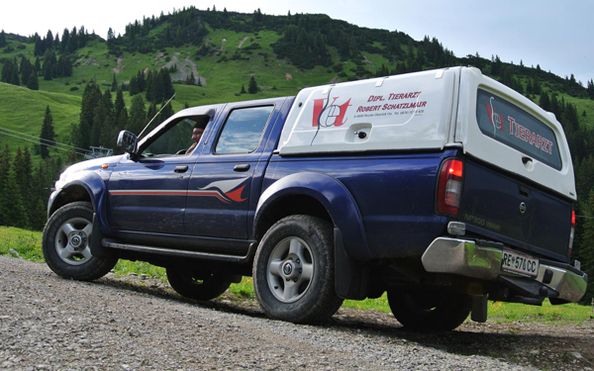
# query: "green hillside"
(22, 110)
(226, 49)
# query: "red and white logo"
(494, 117)
(326, 113)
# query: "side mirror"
(128, 141)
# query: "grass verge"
(27, 245)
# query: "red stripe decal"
(148, 193)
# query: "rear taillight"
(449, 187)
(571, 233)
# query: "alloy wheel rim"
(72, 241)
(290, 269)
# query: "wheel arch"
(314, 194)
(71, 193)
(88, 186)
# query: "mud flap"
(97, 248)
(350, 276)
(479, 308)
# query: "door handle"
(181, 168)
(241, 167)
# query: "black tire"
(308, 296)
(429, 310)
(57, 246)
(199, 286)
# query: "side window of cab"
(243, 130)
(177, 139)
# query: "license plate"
(518, 263)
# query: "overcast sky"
(558, 35)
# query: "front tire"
(198, 285)
(65, 245)
(293, 270)
(429, 310)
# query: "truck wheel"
(429, 310)
(65, 244)
(293, 270)
(196, 285)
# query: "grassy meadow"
(26, 244)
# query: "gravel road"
(126, 323)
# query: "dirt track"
(128, 323)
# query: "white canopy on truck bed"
(431, 110)
(411, 111)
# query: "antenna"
(155, 116)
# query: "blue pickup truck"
(443, 188)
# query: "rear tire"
(429, 310)
(293, 270)
(196, 285)
(66, 247)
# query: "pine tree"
(165, 86)
(40, 182)
(23, 175)
(25, 69)
(590, 89)
(151, 87)
(253, 85)
(586, 251)
(545, 101)
(73, 42)
(137, 83)
(48, 41)
(38, 48)
(12, 210)
(165, 113)
(5, 160)
(152, 111)
(63, 67)
(120, 112)
(103, 133)
(28, 74)
(12, 203)
(111, 41)
(49, 65)
(2, 39)
(90, 100)
(47, 135)
(65, 40)
(33, 81)
(120, 104)
(137, 115)
(10, 72)
(114, 83)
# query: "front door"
(148, 194)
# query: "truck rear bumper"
(481, 260)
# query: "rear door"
(226, 179)
(518, 176)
